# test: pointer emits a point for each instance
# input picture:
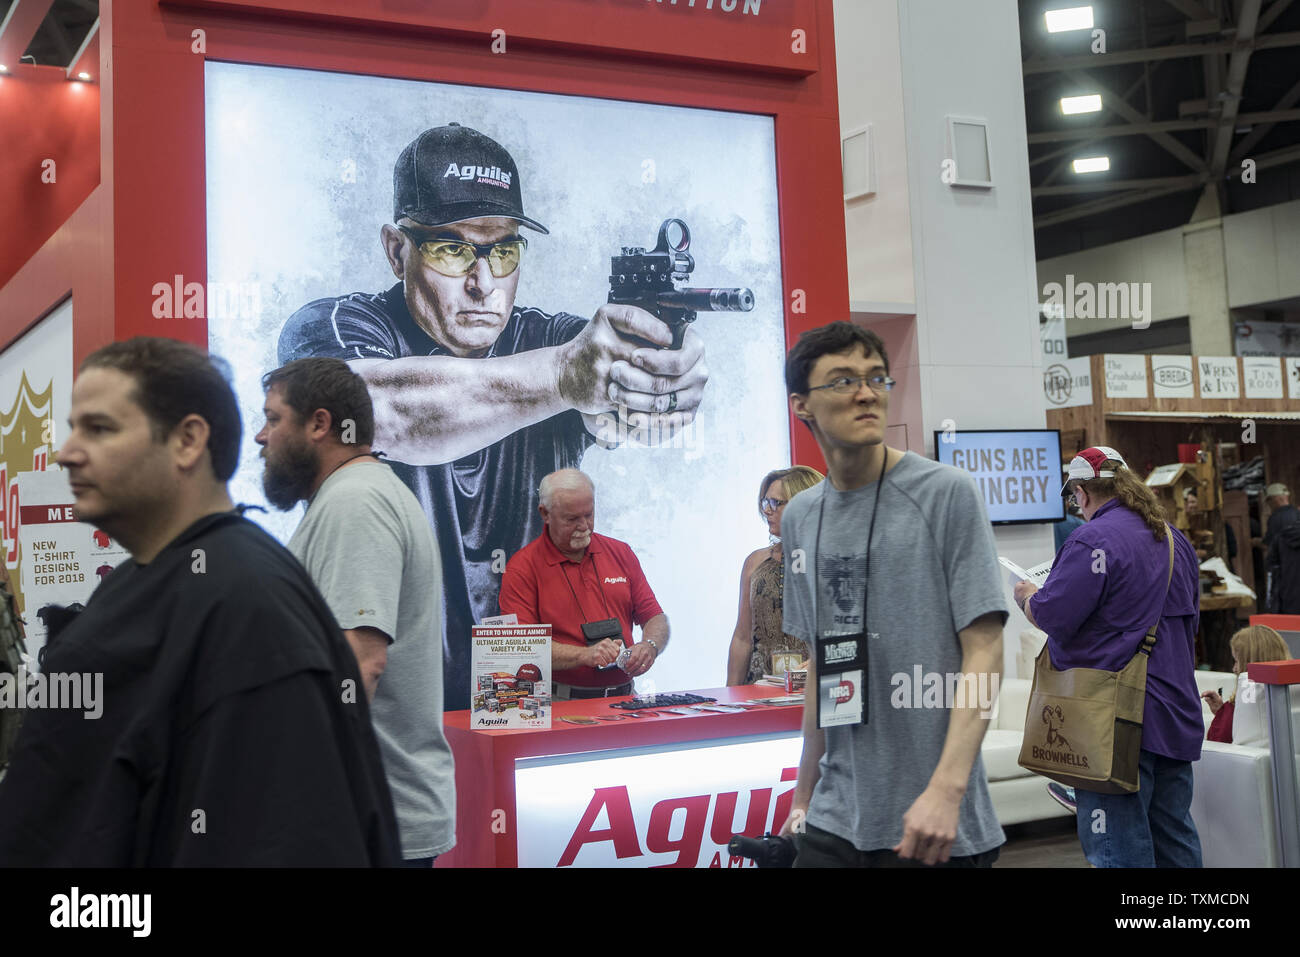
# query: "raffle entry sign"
(511, 678)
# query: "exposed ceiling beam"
(1243, 149)
(20, 25)
(1161, 126)
(1191, 9)
(1213, 66)
(1072, 148)
(1201, 28)
(1111, 101)
(1114, 185)
(1273, 41)
(55, 31)
(1289, 154)
(1272, 13)
(1177, 51)
(1103, 205)
(1174, 51)
(1061, 167)
(87, 58)
(1247, 23)
(1228, 54)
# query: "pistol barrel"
(708, 300)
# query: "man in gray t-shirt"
(908, 560)
(367, 545)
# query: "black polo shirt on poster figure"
(221, 734)
(479, 503)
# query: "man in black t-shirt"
(473, 439)
(226, 725)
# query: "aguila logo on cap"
(492, 175)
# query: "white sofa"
(1232, 796)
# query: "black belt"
(575, 693)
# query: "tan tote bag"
(1084, 726)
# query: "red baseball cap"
(1097, 462)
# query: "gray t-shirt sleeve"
(796, 605)
(356, 561)
(970, 556)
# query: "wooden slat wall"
(1193, 406)
(1102, 427)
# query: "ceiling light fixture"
(1090, 103)
(1072, 18)
(1092, 164)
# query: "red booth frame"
(146, 223)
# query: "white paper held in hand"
(1035, 576)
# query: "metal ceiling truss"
(1226, 63)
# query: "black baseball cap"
(452, 173)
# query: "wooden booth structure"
(1188, 419)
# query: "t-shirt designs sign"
(64, 560)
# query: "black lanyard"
(576, 600)
(866, 577)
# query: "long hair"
(1132, 493)
(795, 480)
(1257, 643)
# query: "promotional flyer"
(512, 677)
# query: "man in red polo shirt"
(570, 576)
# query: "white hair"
(565, 480)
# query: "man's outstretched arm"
(430, 410)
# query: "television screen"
(1019, 472)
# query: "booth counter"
(664, 790)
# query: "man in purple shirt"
(1105, 589)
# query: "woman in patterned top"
(759, 646)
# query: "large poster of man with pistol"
(509, 344)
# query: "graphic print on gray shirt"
(934, 571)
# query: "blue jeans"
(1152, 828)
